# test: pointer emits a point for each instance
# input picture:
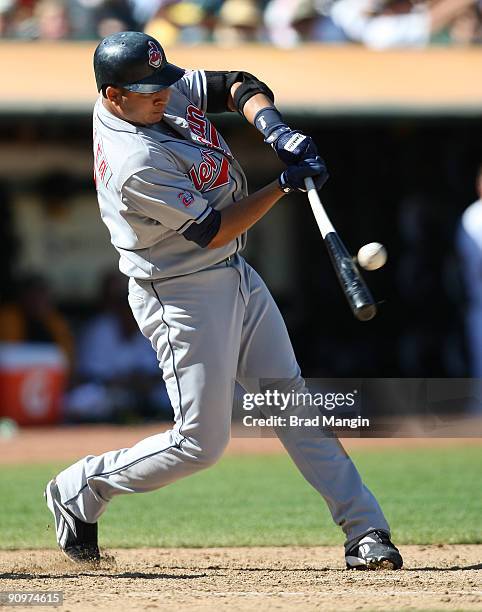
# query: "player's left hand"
(293, 178)
(292, 146)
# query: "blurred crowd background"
(284, 23)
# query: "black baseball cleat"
(374, 551)
(76, 539)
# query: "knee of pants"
(205, 453)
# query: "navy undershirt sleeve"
(202, 233)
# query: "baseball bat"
(353, 286)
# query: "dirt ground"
(434, 578)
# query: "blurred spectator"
(382, 24)
(114, 16)
(52, 20)
(239, 22)
(469, 247)
(19, 19)
(466, 29)
(144, 10)
(118, 371)
(33, 317)
(290, 22)
(170, 17)
(6, 7)
(93, 19)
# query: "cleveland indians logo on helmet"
(155, 55)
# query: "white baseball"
(372, 256)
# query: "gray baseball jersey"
(155, 183)
(209, 317)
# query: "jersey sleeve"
(193, 85)
(168, 197)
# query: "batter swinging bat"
(357, 293)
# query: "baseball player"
(176, 204)
(469, 249)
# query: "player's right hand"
(293, 178)
(292, 146)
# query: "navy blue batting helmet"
(134, 61)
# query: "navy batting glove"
(291, 146)
(293, 178)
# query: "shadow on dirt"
(455, 568)
(139, 575)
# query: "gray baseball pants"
(209, 329)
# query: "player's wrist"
(270, 123)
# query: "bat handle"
(321, 217)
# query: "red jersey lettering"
(102, 169)
(210, 173)
(196, 120)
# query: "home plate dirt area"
(445, 577)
